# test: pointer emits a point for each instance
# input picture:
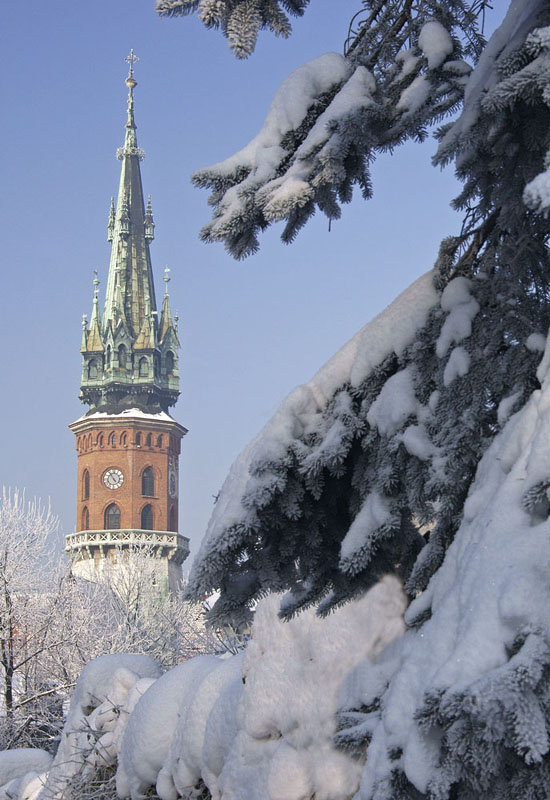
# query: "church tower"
(128, 444)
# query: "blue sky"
(250, 330)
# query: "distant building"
(128, 444)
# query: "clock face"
(173, 487)
(113, 479)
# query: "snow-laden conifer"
(404, 69)
(435, 417)
(386, 439)
(239, 20)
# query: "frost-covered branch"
(386, 439)
(239, 20)
(405, 70)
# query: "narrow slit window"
(148, 483)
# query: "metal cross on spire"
(131, 59)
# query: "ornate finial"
(131, 83)
(131, 59)
(130, 142)
(111, 222)
(148, 222)
(166, 279)
(96, 285)
(84, 321)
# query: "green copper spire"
(130, 245)
(132, 364)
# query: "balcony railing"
(175, 545)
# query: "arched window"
(143, 367)
(173, 524)
(149, 440)
(148, 482)
(122, 357)
(86, 485)
(85, 519)
(89, 440)
(93, 369)
(112, 439)
(112, 517)
(169, 362)
(123, 440)
(138, 439)
(108, 357)
(159, 441)
(147, 518)
(100, 440)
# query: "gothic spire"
(126, 364)
(127, 233)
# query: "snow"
(537, 192)
(16, 763)
(389, 332)
(408, 62)
(259, 724)
(128, 413)
(457, 366)
(462, 308)
(418, 443)
(506, 406)
(395, 403)
(492, 586)
(101, 702)
(518, 21)
(293, 670)
(28, 787)
(536, 342)
(220, 734)
(414, 96)
(184, 765)
(436, 43)
(293, 186)
(286, 112)
(374, 513)
(150, 728)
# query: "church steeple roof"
(165, 323)
(127, 360)
(130, 245)
(94, 343)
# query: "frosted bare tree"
(27, 529)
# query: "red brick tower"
(128, 444)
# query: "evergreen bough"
(348, 493)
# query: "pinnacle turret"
(149, 223)
(166, 324)
(138, 365)
(111, 223)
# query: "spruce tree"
(339, 501)
(401, 453)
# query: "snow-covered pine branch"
(405, 71)
(387, 437)
(239, 20)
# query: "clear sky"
(251, 330)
